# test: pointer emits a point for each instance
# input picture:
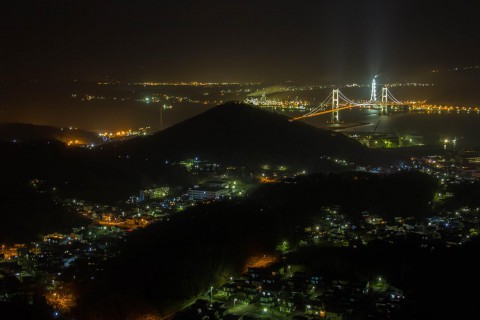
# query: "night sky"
(234, 40)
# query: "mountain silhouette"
(237, 133)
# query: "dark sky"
(234, 40)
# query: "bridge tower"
(335, 106)
(384, 94)
(384, 99)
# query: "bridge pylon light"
(384, 99)
(335, 106)
(373, 95)
(384, 94)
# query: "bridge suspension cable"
(392, 97)
(383, 98)
(345, 98)
(320, 106)
(336, 96)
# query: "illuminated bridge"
(339, 101)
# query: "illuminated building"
(205, 192)
(155, 193)
(470, 157)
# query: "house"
(269, 295)
(287, 305)
(229, 289)
(315, 307)
(250, 292)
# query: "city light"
(302, 159)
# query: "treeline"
(83, 173)
(402, 194)
(26, 214)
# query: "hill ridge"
(239, 133)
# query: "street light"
(211, 293)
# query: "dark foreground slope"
(26, 215)
(32, 174)
(240, 134)
(165, 264)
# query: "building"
(155, 193)
(206, 192)
(470, 157)
(216, 184)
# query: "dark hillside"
(241, 134)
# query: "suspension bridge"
(338, 101)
